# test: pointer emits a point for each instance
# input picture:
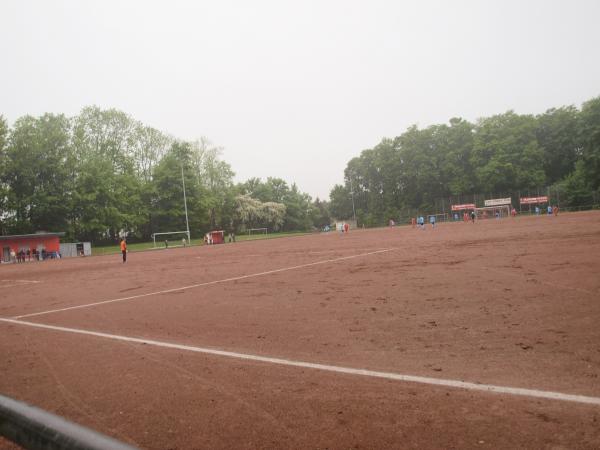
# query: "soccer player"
(473, 216)
(432, 221)
(124, 249)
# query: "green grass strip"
(144, 246)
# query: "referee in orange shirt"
(124, 249)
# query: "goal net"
(171, 239)
(493, 212)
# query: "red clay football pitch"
(482, 335)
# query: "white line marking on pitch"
(12, 283)
(337, 369)
(208, 283)
(252, 255)
(233, 256)
(22, 281)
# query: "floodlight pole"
(187, 223)
(352, 194)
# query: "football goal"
(493, 212)
(255, 231)
(438, 217)
(177, 237)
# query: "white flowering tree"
(253, 213)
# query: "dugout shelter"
(38, 243)
(215, 237)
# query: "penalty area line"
(532, 393)
(207, 283)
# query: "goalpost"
(169, 233)
(493, 212)
(257, 231)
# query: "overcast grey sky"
(296, 89)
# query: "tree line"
(495, 156)
(102, 173)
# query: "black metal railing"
(34, 428)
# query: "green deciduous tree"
(168, 210)
(575, 188)
(589, 138)
(407, 172)
(340, 202)
(36, 173)
(110, 174)
(216, 178)
(297, 204)
(557, 136)
(319, 214)
(506, 154)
